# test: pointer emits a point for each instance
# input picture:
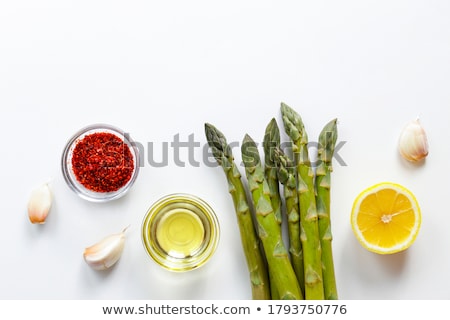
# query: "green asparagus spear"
(250, 241)
(271, 142)
(327, 142)
(312, 255)
(268, 229)
(287, 177)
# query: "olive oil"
(180, 233)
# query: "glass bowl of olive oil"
(180, 232)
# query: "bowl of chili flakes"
(100, 163)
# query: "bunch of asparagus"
(283, 187)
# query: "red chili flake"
(102, 162)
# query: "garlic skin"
(105, 253)
(413, 142)
(39, 204)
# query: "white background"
(157, 69)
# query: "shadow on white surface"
(368, 275)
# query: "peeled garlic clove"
(39, 204)
(105, 253)
(413, 142)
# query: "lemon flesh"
(386, 218)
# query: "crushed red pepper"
(102, 162)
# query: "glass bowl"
(180, 232)
(107, 186)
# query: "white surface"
(161, 69)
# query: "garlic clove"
(105, 253)
(413, 142)
(39, 204)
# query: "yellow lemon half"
(386, 218)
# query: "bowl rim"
(77, 187)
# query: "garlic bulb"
(39, 204)
(105, 253)
(413, 142)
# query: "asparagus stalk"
(250, 241)
(270, 143)
(287, 177)
(269, 231)
(327, 142)
(312, 255)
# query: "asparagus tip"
(327, 141)
(249, 150)
(271, 142)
